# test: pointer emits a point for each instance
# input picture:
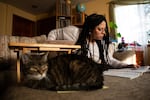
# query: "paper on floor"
(127, 72)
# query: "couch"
(11, 90)
(8, 57)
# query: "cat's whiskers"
(37, 72)
(37, 76)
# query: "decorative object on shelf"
(79, 15)
(80, 8)
(68, 1)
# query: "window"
(133, 22)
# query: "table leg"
(69, 51)
(18, 67)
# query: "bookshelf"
(63, 13)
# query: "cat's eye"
(33, 69)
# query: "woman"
(94, 41)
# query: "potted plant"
(114, 26)
(122, 45)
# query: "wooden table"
(24, 47)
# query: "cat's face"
(35, 66)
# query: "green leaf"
(113, 25)
(118, 35)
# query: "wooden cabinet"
(78, 19)
(23, 27)
(139, 57)
(44, 26)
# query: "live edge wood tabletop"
(24, 47)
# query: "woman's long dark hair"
(89, 25)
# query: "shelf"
(78, 19)
(63, 13)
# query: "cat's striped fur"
(63, 72)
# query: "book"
(130, 73)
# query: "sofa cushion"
(7, 54)
(40, 39)
(4, 50)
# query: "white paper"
(127, 72)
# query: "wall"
(97, 6)
(2, 18)
(6, 16)
(7, 11)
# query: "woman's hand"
(133, 66)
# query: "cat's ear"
(45, 57)
(25, 58)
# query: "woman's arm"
(116, 63)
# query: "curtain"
(132, 22)
(129, 2)
(112, 19)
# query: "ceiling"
(131, 1)
(36, 6)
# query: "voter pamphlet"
(128, 72)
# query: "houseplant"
(121, 43)
(113, 27)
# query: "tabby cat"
(63, 72)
